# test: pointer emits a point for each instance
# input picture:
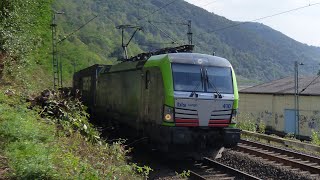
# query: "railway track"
(291, 159)
(211, 169)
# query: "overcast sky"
(302, 25)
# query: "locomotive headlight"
(168, 117)
(168, 114)
(234, 116)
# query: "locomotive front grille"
(186, 117)
(220, 118)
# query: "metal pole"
(189, 32)
(60, 72)
(54, 52)
(55, 61)
(52, 38)
(298, 110)
(125, 54)
(296, 95)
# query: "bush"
(315, 137)
(45, 149)
(246, 122)
(67, 112)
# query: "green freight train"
(183, 102)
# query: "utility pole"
(55, 61)
(57, 65)
(189, 32)
(54, 53)
(296, 96)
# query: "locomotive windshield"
(221, 78)
(188, 77)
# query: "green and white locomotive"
(183, 102)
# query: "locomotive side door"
(144, 100)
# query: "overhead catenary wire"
(156, 44)
(261, 18)
(162, 7)
(208, 3)
(76, 30)
(309, 84)
(169, 22)
(165, 33)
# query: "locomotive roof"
(185, 58)
(196, 58)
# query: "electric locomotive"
(183, 102)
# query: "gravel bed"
(162, 167)
(263, 169)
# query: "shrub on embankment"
(63, 145)
(40, 143)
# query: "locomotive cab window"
(187, 77)
(195, 78)
(219, 79)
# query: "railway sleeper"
(292, 163)
(282, 151)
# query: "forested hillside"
(46, 136)
(256, 51)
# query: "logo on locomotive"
(181, 104)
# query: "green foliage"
(19, 127)
(261, 127)
(144, 170)
(246, 122)
(184, 174)
(315, 137)
(41, 149)
(67, 112)
(25, 140)
(24, 39)
(31, 160)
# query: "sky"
(302, 25)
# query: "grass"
(36, 149)
(246, 122)
(315, 137)
(34, 146)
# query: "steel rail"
(228, 169)
(278, 158)
(196, 176)
(294, 154)
(285, 142)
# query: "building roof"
(309, 86)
